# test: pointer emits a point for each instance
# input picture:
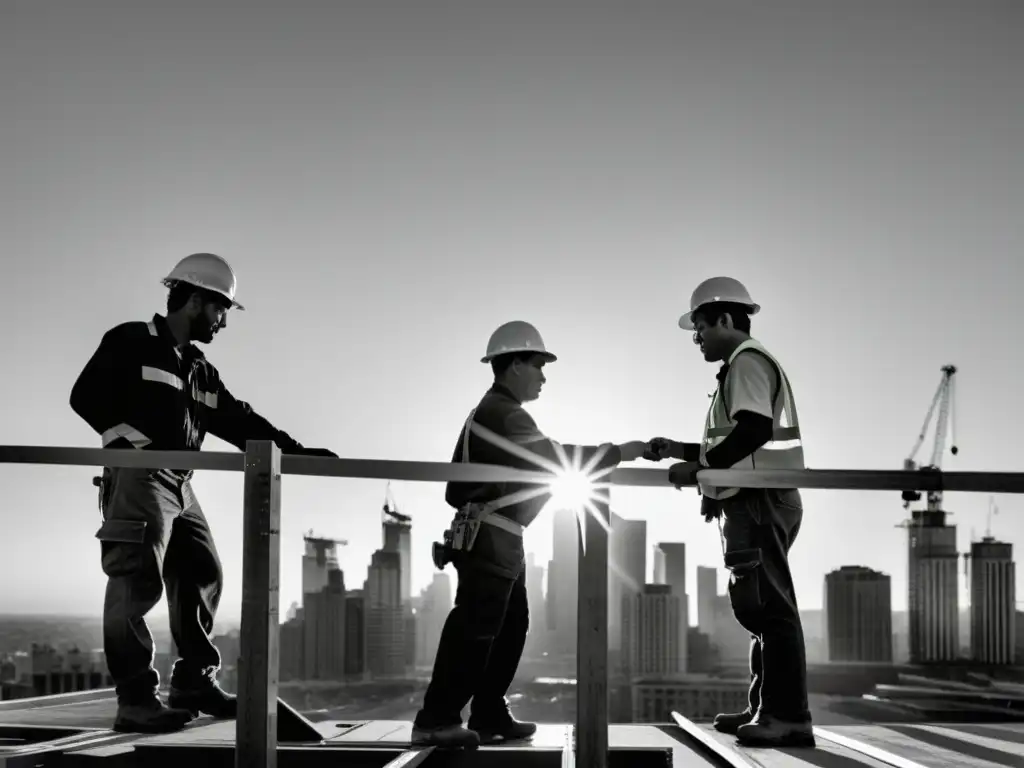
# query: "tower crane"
(944, 400)
(392, 509)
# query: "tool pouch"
(461, 536)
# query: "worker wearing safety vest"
(751, 424)
(483, 637)
(148, 387)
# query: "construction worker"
(148, 387)
(752, 423)
(483, 638)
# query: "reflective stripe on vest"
(783, 451)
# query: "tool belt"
(465, 526)
(461, 534)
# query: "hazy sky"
(391, 183)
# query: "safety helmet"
(716, 289)
(516, 336)
(206, 270)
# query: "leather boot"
(149, 715)
(445, 736)
(504, 728)
(209, 698)
(728, 722)
(767, 731)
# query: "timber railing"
(263, 465)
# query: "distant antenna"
(992, 510)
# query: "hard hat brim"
(167, 282)
(548, 356)
(686, 321)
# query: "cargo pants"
(758, 527)
(155, 535)
(483, 637)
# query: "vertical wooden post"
(591, 732)
(256, 728)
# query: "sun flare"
(571, 489)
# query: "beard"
(201, 329)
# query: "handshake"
(655, 449)
(658, 448)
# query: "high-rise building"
(290, 648)
(627, 570)
(536, 640)
(707, 599)
(858, 614)
(323, 630)
(397, 528)
(385, 618)
(932, 588)
(434, 606)
(355, 635)
(319, 559)
(670, 569)
(993, 602)
(563, 584)
(398, 538)
(650, 632)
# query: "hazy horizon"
(393, 182)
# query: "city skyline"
(387, 205)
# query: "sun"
(571, 489)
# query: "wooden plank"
(728, 749)
(410, 759)
(921, 758)
(591, 731)
(256, 727)
(1014, 750)
(424, 471)
(730, 755)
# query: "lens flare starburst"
(575, 486)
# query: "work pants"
(479, 650)
(758, 527)
(154, 534)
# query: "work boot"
(445, 736)
(149, 715)
(503, 728)
(208, 698)
(728, 722)
(767, 731)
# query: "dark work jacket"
(138, 390)
(500, 412)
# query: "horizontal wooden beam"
(436, 471)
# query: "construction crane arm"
(943, 401)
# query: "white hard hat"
(716, 289)
(206, 270)
(516, 336)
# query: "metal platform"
(73, 731)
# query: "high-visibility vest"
(783, 451)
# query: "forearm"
(750, 433)
(242, 424)
(684, 451)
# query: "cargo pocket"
(745, 568)
(122, 546)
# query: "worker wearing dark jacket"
(483, 637)
(148, 387)
(751, 424)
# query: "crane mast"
(946, 423)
